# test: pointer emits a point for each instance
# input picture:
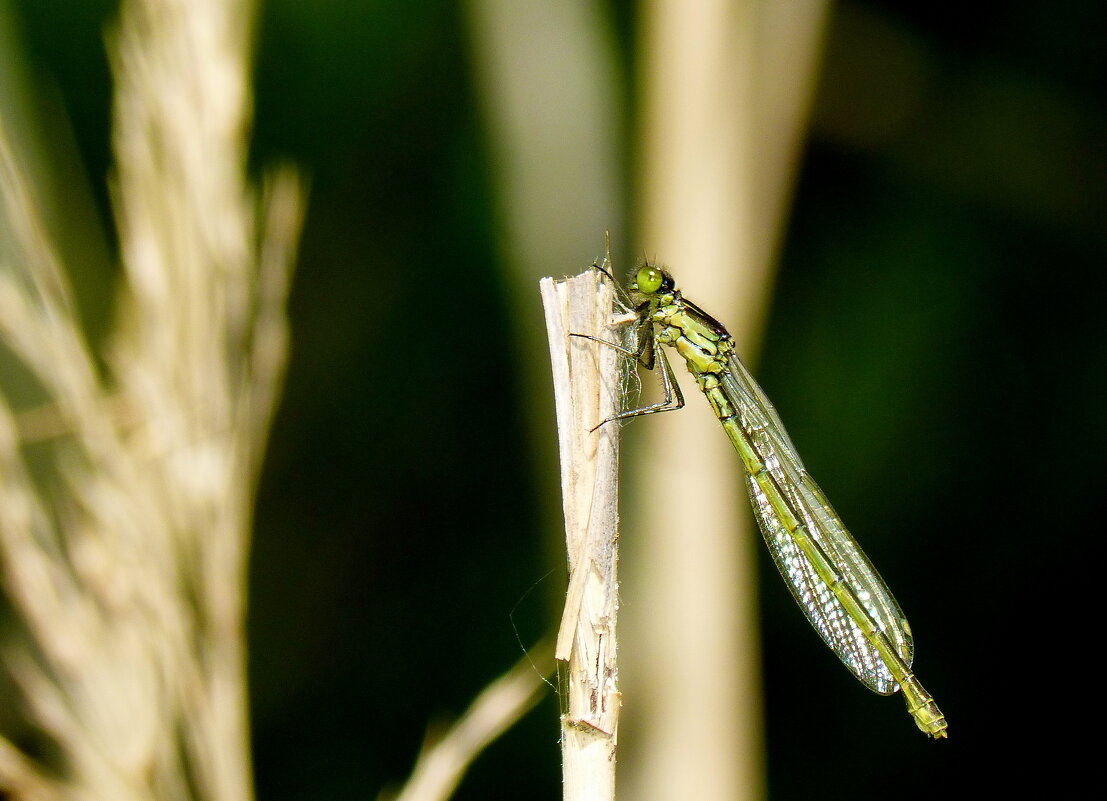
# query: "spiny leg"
(644, 354)
(620, 290)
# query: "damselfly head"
(650, 280)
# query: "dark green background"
(936, 344)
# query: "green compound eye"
(649, 280)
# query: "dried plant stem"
(124, 539)
(499, 705)
(587, 390)
(725, 87)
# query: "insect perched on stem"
(830, 577)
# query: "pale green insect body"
(831, 579)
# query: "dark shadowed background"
(936, 344)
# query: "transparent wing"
(807, 503)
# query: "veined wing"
(807, 504)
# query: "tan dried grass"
(125, 501)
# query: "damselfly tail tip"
(930, 720)
(936, 731)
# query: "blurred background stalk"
(724, 89)
(548, 84)
(128, 472)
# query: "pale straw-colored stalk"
(588, 389)
(446, 756)
(126, 492)
(725, 85)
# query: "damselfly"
(830, 577)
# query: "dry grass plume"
(126, 488)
